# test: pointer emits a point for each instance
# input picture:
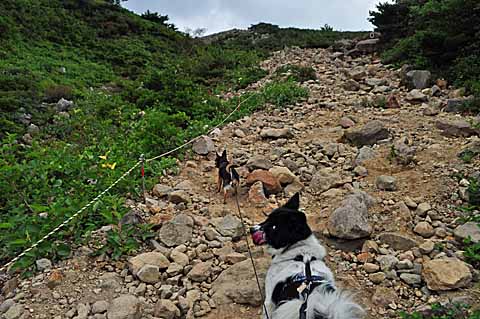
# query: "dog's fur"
(228, 178)
(291, 242)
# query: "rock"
(269, 181)
(325, 179)
(371, 268)
(203, 145)
(427, 247)
(239, 133)
(358, 73)
(416, 96)
(161, 190)
(422, 209)
(133, 217)
(259, 162)
(387, 262)
(446, 274)
(276, 133)
(154, 258)
(200, 272)
(397, 241)
(99, 307)
(14, 312)
(346, 122)
(351, 85)
(256, 194)
(82, 311)
(455, 105)
(364, 154)
(7, 304)
(418, 79)
(43, 264)
(177, 231)
(234, 258)
(64, 105)
(282, 174)
(375, 82)
(424, 229)
(458, 128)
(237, 283)
(377, 277)
(179, 196)
(229, 226)
(179, 258)
(109, 281)
(431, 110)
(386, 183)
(411, 279)
(468, 230)
(350, 220)
(384, 296)
(166, 309)
(293, 188)
(393, 102)
(404, 153)
(369, 134)
(33, 129)
(367, 46)
(149, 274)
(125, 307)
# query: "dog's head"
(284, 226)
(221, 159)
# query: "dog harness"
(300, 286)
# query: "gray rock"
(14, 312)
(427, 247)
(468, 230)
(166, 309)
(237, 283)
(455, 105)
(367, 46)
(411, 279)
(203, 145)
(375, 82)
(276, 133)
(153, 258)
(351, 85)
(325, 179)
(64, 105)
(386, 183)
(133, 217)
(377, 277)
(109, 281)
(369, 134)
(404, 151)
(229, 226)
(33, 129)
(177, 231)
(43, 264)
(149, 274)
(418, 79)
(7, 304)
(179, 196)
(423, 209)
(424, 229)
(397, 241)
(99, 307)
(459, 128)
(161, 190)
(416, 96)
(125, 307)
(259, 162)
(350, 220)
(364, 154)
(387, 262)
(82, 311)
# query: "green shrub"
(449, 311)
(297, 73)
(284, 93)
(56, 92)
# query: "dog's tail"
(235, 175)
(322, 305)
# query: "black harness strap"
(306, 292)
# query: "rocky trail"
(375, 154)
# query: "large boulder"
(418, 79)
(270, 182)
(154, 258)
(325, 179)
(468, 230)
(397, 241)
(367, 46)
(237, 283)
(229, 225)
(203, 145)
(446, 274)
(459, 128)
(369, 134)
(350, 220)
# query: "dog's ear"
(224, 154)
(294, 202)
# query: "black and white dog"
(299, 284)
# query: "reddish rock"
(270, 182)
(346, 122)
(392, 102)
(256, 195)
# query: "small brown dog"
(228, 178)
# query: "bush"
(449, 311)
(56, 92)
(297, 73)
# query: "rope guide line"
(141, 162)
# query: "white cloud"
(220, 15)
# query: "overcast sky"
(220, 15)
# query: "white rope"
(14, 260)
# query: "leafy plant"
(449, 311)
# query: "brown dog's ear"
(294, 202)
